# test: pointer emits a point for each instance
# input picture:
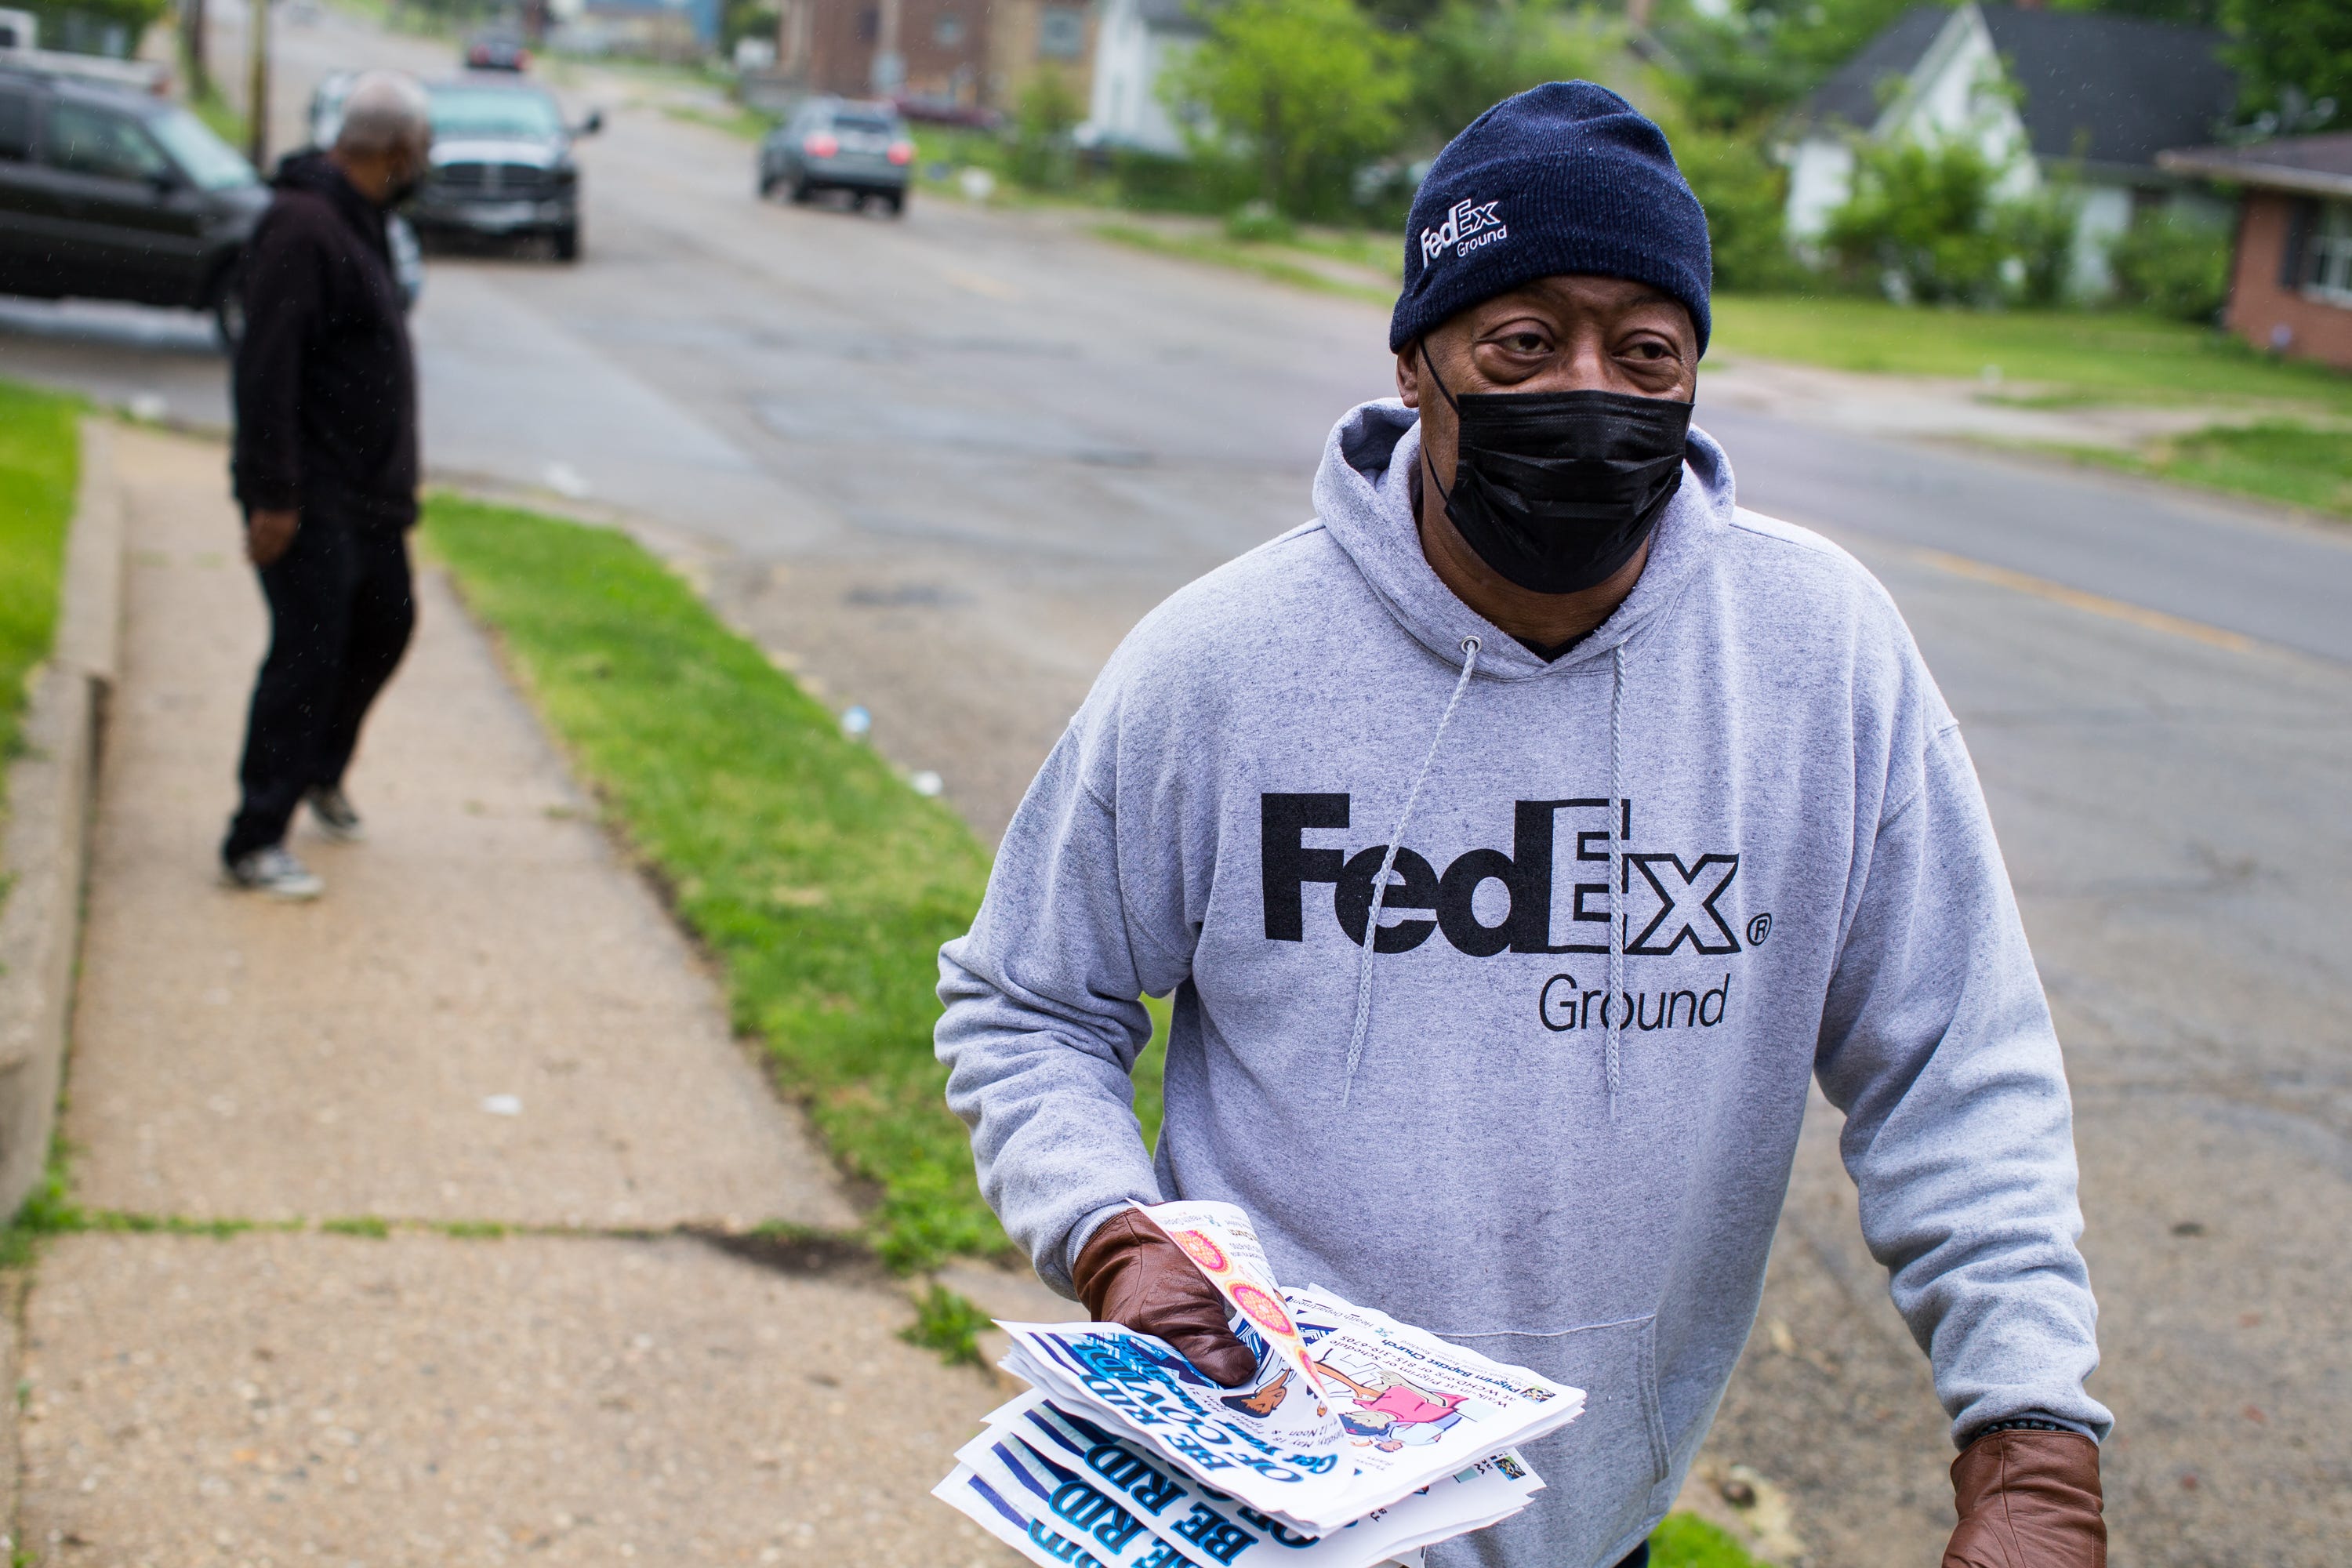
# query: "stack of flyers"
(1358, 1440)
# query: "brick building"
(2291, 278)
(932, 50)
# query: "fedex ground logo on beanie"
(1469, 225)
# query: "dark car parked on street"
(502, 165)
(832, 144)
(107, 193)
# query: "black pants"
(341, 610)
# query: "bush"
(2174, 265)
(1919, 224)
(1041, 155)
(1925, 226)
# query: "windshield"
(462, 112)
(204, 157)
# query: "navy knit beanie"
(1565, 177)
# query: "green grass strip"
(821, 880)
(2069, 358)
(40, 464)
(1263, 260)
(1686, 1541)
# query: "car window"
(15, 123)
(211, 163)
(86, 139)
(879, 124)
(461, 111)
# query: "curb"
(44, 855)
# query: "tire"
(567, 242)
(767, 184)
(801, 193)
(898, 200)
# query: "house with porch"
(2291, 275)
(2084, 99)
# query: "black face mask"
(1556, 491)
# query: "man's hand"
(1130, 1273)
(2028, 1499)
(270, 534)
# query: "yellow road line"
(2092, 603)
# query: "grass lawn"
(2276, 459)
(2078, 356)
(40, 458)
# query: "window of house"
(2328, 260)
(948, 30)
(1061, 33)
(88, 141)
(869, 24)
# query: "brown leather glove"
(2028, 1499)
(1130, 1273)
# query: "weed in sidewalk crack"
(947, 1322)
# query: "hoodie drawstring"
(1388, 863)
(1612, 1011)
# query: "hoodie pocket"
(1605, 1471)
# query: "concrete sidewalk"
(609, 1387)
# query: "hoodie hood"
(1363, 497)
(315, 175)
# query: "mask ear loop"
(1421, 346)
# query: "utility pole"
(257, 84)
(192, 43)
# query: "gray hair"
(388, 111)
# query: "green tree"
(1748, 60)
(1309, 89)
(2291, 50)
(69, 23)
(1746, 195)
(1473, 54)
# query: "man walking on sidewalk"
(1519, 838)
(325, 466)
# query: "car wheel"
(767, 184)
(567, 242)
(228, 309)
(801, 191)
(898, 200)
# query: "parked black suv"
(107, 194)
(501, 164)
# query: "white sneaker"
(337, 818)
(276, 872)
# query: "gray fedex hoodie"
(1577, 1175)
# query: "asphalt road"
(939, 466)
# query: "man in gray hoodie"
(1517, 839)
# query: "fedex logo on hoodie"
(1467, 226)
(1550, 891)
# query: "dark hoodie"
(326, 385)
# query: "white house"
(1137, 41)
(2084, 99)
